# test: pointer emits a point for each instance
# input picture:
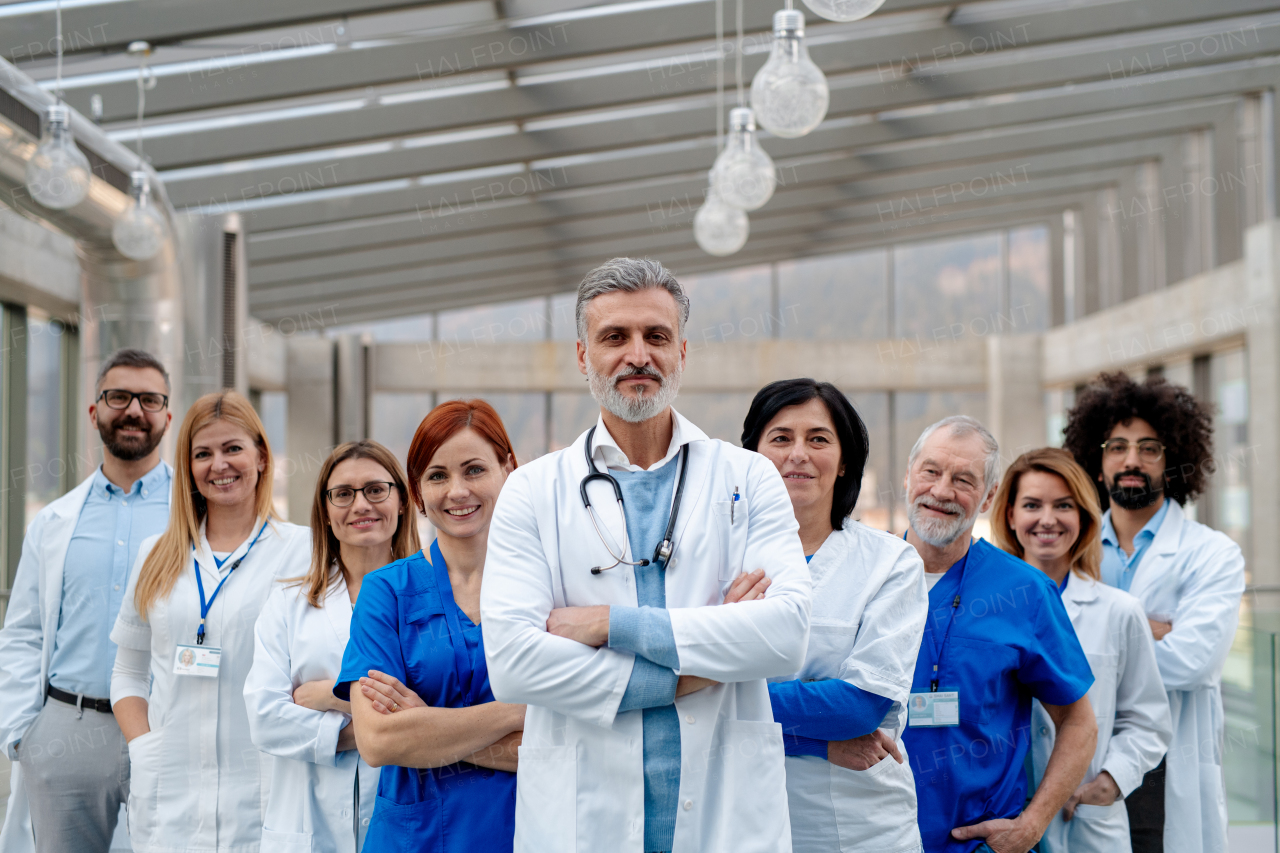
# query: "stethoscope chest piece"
(665, 547)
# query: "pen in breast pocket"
(733, 505)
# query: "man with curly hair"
(1149, 447)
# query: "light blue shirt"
(1118, 568)
(646, 631)
(105, 543)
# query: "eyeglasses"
(1149, 450)
(118, 398)
(374, 493)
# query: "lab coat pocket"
(730, 524)
(547, 799)
(875, 809)
(754, 774)
(144, 786)
(285, 842)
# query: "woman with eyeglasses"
(1046, 512)
(322, 793)
(414, 670)
(185, 638)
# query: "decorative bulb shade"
(789, 94)
(142, 230)
(844, 10)
(720, 229)
(743, 174)
(58, 173)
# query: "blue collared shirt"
(1118, 568)
(110, 529)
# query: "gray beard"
(937, 532)
(629, 409)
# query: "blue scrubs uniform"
(1010, 641)
(407, 624)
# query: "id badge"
(933, 709)
(201, 661)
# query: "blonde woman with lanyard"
(1046, 512)
(197, 781)
(322, 793)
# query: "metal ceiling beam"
(894, 182)
(354, 116)
(669, 183)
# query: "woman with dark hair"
(322, 793)
(424, 711)
(848, 784)
(1046, 513)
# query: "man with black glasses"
(72, 766)
(1149, 446)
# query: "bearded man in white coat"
(1149, 447)
(640, 630)
(71, 776)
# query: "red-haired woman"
(424, 711)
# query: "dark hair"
(441, 424)
(130, 358)
(850, 430)
(1183, 423)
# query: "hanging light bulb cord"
(742, 100)
(57, 16)
(142, 103)
(719, 74)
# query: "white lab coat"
(869, 610)
(581, 785)
(1128, 699)
(313, 786)
(26, 647)
(197, 781)
(1193, 576)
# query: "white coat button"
(688, 718)
(688, 804)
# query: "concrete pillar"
(311, 424)
(352, 389)
(1262, 342)
(1015, 394)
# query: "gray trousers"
(75, 768)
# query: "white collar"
(606, 450)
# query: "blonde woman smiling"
(197, 781)
(1046, 512)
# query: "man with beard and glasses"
(1149, 447)
(997, 637)
(649, 725)
(71, 776)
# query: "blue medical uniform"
(407, 624)
(1009, 641)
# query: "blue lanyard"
(205, 605)
(955, 607)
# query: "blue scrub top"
(407, 624)
(1011, 641)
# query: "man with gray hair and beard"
(997, 637)
(649, 727)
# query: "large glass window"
(1029, 279)
(1234, 455)
(947, 289)
(396, 417)
(834, 297)
(505, 322)
(45, 466)
(729, 306)
(273, 408)
(876, 500)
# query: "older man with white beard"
(649, 726)
(997, 637)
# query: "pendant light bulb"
(743, 174)
(719, 228)
(789, 94)
(58, 172)
(142, 230)
(844, 10)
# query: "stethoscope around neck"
(665, 547)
